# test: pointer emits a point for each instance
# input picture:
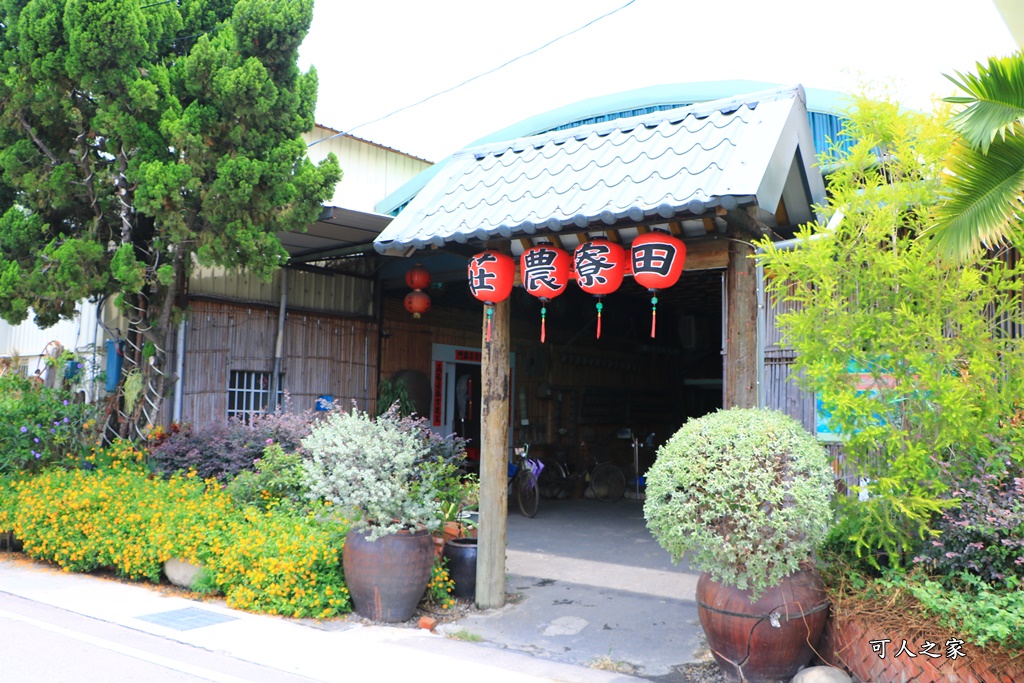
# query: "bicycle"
(523, 482)
(604, 481)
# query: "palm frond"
(995, 99)
(984, 201)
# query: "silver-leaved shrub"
(378, 470)
(746, 491)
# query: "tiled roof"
(669, 165)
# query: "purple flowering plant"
(41, 426)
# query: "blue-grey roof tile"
(670, 164)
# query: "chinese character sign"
(490, 276)
(545, 273)
(657, 261)
(490, 280)
(600, 267)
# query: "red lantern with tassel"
(417, 302)
(600, 266)
(490, 280)
(657, 261)
(417, 277)
(545, 273)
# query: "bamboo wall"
(322, 355)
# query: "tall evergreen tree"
(140, 137)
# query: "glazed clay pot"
(770, 639)
(387, 577)
(461, 554)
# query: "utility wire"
(478, 76)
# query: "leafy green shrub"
(747, 491)
(276, 480)
(388, 472)
(40, 426)
(984, 535)
(980, 612)
(223, 449)
(906, 352)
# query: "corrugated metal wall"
(28, 341)
(381, 170)
(337, 294)
(322, 355)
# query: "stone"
(821, 674)
(181, 572)
(428, 623)
(565, 626)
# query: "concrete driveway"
(593, 587)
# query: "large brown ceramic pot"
(387, 577)
(767, 640)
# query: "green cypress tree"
(140, 137)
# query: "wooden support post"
(494, 411)
(741, 330)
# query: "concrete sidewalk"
(591, 586)
(594, 586)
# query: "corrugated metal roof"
(667, 165)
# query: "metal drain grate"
(186, 619)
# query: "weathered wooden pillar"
(741, 330)
(494, 412)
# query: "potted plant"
(386, 475)
(746, 492)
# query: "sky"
(373, 58)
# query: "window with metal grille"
(249, 393)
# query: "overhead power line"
(478, 76)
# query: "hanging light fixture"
(417, 301)
(545, 274)
(657, 260)
(600, 266)
(490, 280)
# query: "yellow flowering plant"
(439, 589)
(117, 515)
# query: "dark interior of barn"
(579, 399)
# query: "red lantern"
(417, 302)
(657, 260)
(600, 266)
(490, 280)
(545, 274)
(417, 277)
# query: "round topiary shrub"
(746, 491)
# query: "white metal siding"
(27, 340)
(371, 172)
